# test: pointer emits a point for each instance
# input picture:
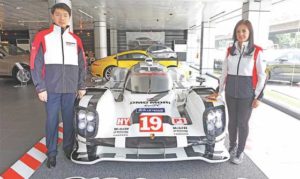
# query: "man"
(58, 69)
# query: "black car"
(286, 67)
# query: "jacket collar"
(244, 47)
(58, 29)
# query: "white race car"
(146, 114)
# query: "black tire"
(107, 72)
(19, 77)
(171, 66)
(92, 152)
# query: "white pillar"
(68, 2)
(209, 33)
(113, 41)
(193, 46)
(258, 12)
(100, 36)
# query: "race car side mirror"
(200, 80)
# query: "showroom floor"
(22, 121)
(270, 149)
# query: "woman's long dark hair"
(250, 47)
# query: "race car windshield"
(150, 82)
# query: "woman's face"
(242, 33)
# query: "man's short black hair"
(61, 6)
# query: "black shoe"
(51, 162)
(68, 153)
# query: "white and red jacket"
(243, 76)
(57, 61)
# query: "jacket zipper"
(237, 72)
(63, 57)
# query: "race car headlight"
(86, 122)
(81, 115)
(81, 125)
(90, 128)
(90, 116)
(214, 121)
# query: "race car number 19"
(151, 124)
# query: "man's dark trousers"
(56, 103)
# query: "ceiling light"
(81, 11)
(216, 15)
(32, 21)
(19, 7)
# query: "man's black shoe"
(51, 162)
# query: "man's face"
(61, 18)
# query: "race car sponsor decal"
(179, 121)
(150, 110)
(150, 102)
(120, 131)
(180, 130)
(123, 121)
(151, 123)
(158, 97)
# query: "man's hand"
(81, 93)
(213, 96)
(255, 103)
(43, 96)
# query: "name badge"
(70, 43)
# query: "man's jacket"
(57, 61)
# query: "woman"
(243, 78)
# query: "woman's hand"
(255, 103)
(81, 93)
(212, 96)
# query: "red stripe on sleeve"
(80, 46)
(228, 52)
(38, 41)
(30, 161)
(254, 71)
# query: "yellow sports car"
(103, 67)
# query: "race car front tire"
(92, 152)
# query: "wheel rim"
(23, 76)
(108, 73)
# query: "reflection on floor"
(273, 143)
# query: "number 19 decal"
(151, 124)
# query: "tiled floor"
(273, 143)
(20, 121)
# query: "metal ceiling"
(119, 14)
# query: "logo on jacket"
(71, 43)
